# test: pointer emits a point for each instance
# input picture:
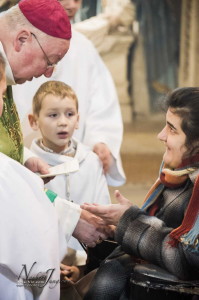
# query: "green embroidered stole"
(11, 139)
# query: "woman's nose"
(162, 135)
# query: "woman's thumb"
(120, 198)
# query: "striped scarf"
(188, 232)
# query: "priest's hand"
(36, 164)
(104, 154)
(91, 229)
(110, 213)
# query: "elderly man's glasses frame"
(49, 63)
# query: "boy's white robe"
(88, 184)
(100, 115)
(29, 232)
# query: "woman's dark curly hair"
(184, 102)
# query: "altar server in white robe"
(101, 126)
(55, 115)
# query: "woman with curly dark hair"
(165, 231)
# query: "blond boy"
(55, 115)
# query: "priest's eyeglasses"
(49, 63)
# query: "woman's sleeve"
(147, 237)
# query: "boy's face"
(2, 91)
(58, 118)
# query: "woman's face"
(174, 139)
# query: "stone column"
(189, 45)
(116, 61)
(140, 93)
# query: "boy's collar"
(69, 151)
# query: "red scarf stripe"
(173, 181)
(190, 215)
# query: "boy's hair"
(2, 67)
(53, 87)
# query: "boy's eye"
(52, 115)
(70, 114)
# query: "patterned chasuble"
(11, 139)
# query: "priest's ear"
(22, 37)
(33, 122)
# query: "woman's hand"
(110, 213)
